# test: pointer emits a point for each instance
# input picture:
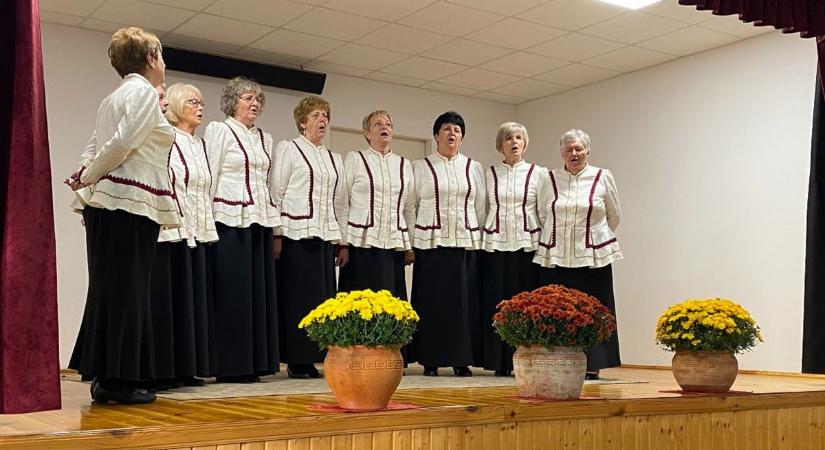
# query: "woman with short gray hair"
(242, 261)
(579, 210)
(510, 238)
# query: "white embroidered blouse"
(450, 202)
(308, 185)
(192, 183)
(512, 218)
(579, 214)
(240, 160)
(128, 169)
(381, 207)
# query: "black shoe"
(245, 379)
(504, 373)
(462, 371)
(126, 395)
(189, 381)
(430, 371)
(302, 371)
(591, 375)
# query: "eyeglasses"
(249, 98)
(195, 102)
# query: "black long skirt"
(202, 303)
(504, 274)
(306, 277)
(598, 283)
(116, 337)
(446, 295)
(376, 269)
(244, 301)
(180, 311)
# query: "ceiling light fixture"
(631, 4)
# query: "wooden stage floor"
(769, 411)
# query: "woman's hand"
(74, 182)
(276, 249)
(409, 257)
(343, 256)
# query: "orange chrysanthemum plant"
(553, 316)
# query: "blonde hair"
(508, 129)
(235, 89)
(129, 49)
(367, 122)
(177, 95)
(305, 107)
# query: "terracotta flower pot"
(363, 378)
(556, 374)
(705, 371)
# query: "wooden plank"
(489, 437)
(507, 435)
(361, 441)
(402, 440)
(420, 439)
(342, 442)
(320, 443)
(298, 444)
(438, 438)
(455, 438)
(276, 445)
(382, 440)
(253, 446)
(473, 436)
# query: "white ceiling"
(502, 50)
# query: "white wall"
(78, 76)
(710, 152)
(711, 155)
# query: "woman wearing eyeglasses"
(179, 277)
(242, 263)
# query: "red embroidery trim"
(587, 241)
(495, 195)
(552, 242)
(467, 198)
(139, 185)
(437, 224)
(311, 187)
(206, 157)
(185, 166)
(524, 201)
(371, 220)
(246, 169)
(400, 196)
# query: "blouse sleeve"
(611, 201)
(139, 117)
(341, 200)
(542, 191)
(480, 193)
(409, 203)
(88, 153)
(217, 145)
(279, 177)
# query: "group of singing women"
(204, 253)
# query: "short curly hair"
(575, 135)
(305, 107)
(129, 49)
(177, 96)
(235, 89)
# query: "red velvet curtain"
(29, 358)
(806, 17)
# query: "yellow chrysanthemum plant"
(707, 324)
(365, 318)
